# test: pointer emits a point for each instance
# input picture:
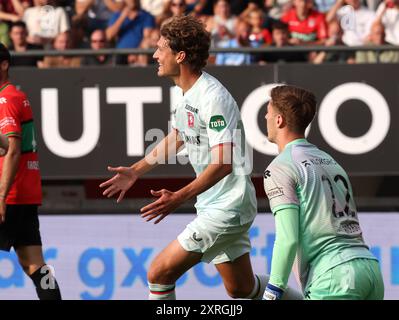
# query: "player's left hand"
(167, 202)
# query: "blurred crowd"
(97, 24)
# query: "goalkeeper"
(316, 220)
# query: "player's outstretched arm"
(125, 177)
(168, 201)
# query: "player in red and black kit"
(20, 186)
(306, 25)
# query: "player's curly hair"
(297, 106)
(188, 34)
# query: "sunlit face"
(222, 9)
(178, 7)
(132, 4)
(302, 6)
(18, 35)
(256, 19)
(62, 42)
(98, 40)
(271, 122)
(166, 58)
(280, 37)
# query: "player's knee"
(158, 274)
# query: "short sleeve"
(113, 18)
(381, 8)
(173, 118)
(10, 124)
(220, 117)
(322, 28)
(149, 21)
(280, 187)
(286, 17)
(63, 21)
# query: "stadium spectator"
(13, 10)
(18, 36)
(221, 25)
(355, 28)
(45, 21)
(96, 13)
(377, 38)
(281, 36)
(388, 15)
(306, 25)
(10, 11)
(62, 42)
(98, 41)
(251, 6)
(171, 8)
(240, 40)
(130, 25)
(335, 35)
(258, 35)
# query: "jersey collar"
(196, 83)
(4, 86)
(297, 141)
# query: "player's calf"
(46, 285)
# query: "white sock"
(259, 287)
(161, 291)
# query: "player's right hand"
(121, 182)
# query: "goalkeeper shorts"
(357, 279)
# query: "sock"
(259, 287)
(46, 284)
(162, 291)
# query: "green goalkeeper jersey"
(304, 177)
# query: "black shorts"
(21, 227)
